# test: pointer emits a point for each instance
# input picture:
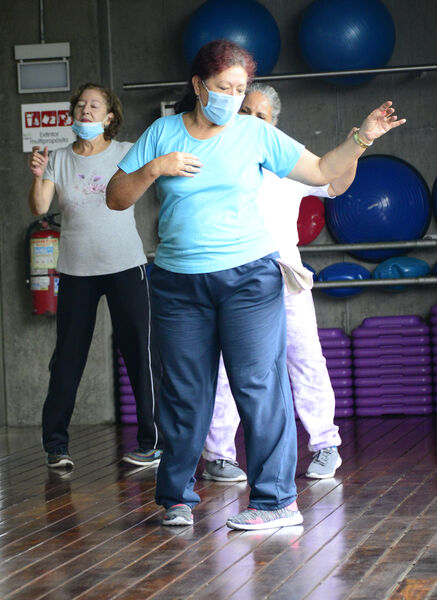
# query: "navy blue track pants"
(238, 311)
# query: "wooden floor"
(94, 533)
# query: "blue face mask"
(221, 108)
(87, 131)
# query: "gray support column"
(105, 43)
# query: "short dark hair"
(113, 105)
(213, 58)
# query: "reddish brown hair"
(213, 58)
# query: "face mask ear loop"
(107, 124)
(198, 96)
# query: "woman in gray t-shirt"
(100, 253)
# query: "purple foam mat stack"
(128, 412)
(336, 348)
(434, 348)
(392, 366)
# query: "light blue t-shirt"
(210, 222)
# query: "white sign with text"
(46, 124)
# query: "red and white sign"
(47, 124)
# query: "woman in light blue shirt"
(216, 285)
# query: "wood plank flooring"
(94, 533)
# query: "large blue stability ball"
(388, 201)
(434, 197)
(245, 22)
(336, 35)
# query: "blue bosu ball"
(245, 22)
(310, 268)
(343, 271)
(388, 201)
(399, 267)
(336, 35)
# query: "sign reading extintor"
(48, 124)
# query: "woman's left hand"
(379, 121)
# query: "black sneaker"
(143, 458)
(60, 458)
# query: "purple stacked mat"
(434, 347)
(392, 366)
(128, 412)
(336, 348)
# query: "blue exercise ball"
(309, 267)
(343, 271)
(400, 267)
(312, 269)
(245, 22)
(337, 35)
(149, 268)
(389, 200)
(434, 197)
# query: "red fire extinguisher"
(42, 249)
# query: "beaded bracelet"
(359, 141)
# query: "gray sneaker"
(178, 514)
(324, 464)
(223, 470)
(251, 519)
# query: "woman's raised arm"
(315, 170)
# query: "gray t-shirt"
(94, 239)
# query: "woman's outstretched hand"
(380, 120)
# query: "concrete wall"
(28, 341)
(140, 41)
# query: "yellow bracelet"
(359, 141)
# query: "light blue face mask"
(87, 131)
(221, 108)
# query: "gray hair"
(272, 96)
